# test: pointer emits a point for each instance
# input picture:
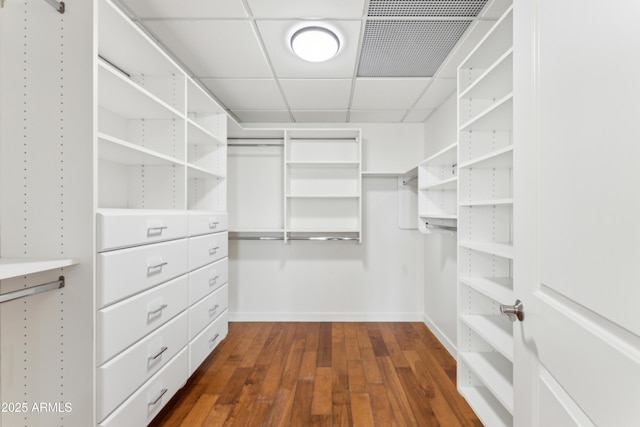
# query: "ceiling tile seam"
(354, 76)
(263, 48)
(143, 27)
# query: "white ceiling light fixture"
(315, 44)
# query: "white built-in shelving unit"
(120, 217)
(323, 188)
(307, 182)
(437, 190)
(485, 221)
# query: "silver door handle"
(513, 312)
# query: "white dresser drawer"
(147, 402)
(205, 311)
(123, 374)
(204, 222)
(128, 271)
(207, 249)
(124, 323)
(203, 344)
(120, 228)
(207, 279)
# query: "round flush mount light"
(315, 44)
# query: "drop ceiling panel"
(317, 94)
(246, 94)
(442, 8)
(214, 48)
(376, 116)
(407, 48)
(437, 92)
(320, 116)
(389, 94)
(263, 116)
(306, 9)
(276, 36)
(187, 8)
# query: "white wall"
(380, 279)
(440, 262)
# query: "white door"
(577, 212)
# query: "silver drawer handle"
(153, 267)
(156, 230)
(214, 224)
(213, 280)
(212, 340)
(162, 350)
(159, 309)
(164, 390)
(213, 250)
(214, 309)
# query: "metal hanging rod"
(440, 227)
(59, 6)
(255, 238)
(255, 145)
(324, 238)
(409, 181)
(9, 296)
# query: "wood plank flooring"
(323, 374)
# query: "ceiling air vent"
(394, 46)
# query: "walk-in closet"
(335, 213)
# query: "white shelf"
(487, 366)
(256, 230)
(126, 153)
(447, 184)
(199, 172)
(499, 116)
(114, 87)
(197, 135)
(437, 216)
(322, 164)
(383, 174)
(490, 332)
(495, 76)
(502, 158)
(17, 267)
(445, 157)
(322, 196)
(499, 289)
(500, 249)
(486, 407)
(487, 202)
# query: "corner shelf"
(437, 190)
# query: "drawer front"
(207, 279)
(121, 229)
(204, 222)
(206, 249)
(124, 323)
(147, 402)
(203, 344)
(205, 311)
(128, 271)
(123, 374)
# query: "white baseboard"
(324, 317)
(444, 340)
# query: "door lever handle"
(513, 312)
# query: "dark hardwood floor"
(323, 374)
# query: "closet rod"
(408, 181)
(255, 145)
(440, 227)
(255, 238)
(9, 296)
(324, 238)
(57, 6)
